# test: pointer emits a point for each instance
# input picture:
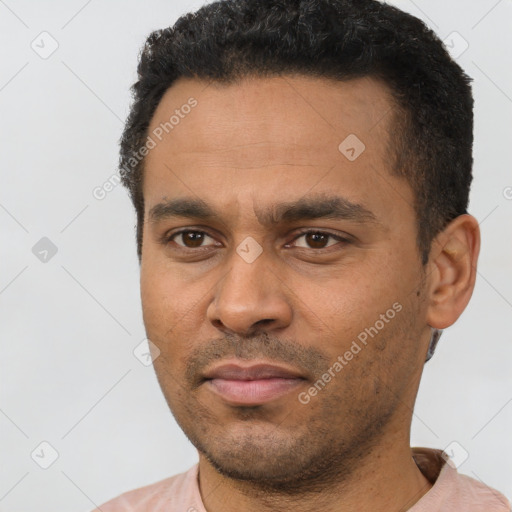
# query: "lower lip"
(252, 392)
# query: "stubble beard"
(279, 459)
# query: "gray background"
(69, 324)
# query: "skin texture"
(303, 301)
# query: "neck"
(387, 479)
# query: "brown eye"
(189, 239)
(318, 240)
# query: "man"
(300, 172)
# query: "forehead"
(278, 136)
(294, 111)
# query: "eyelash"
(170, 238)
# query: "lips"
(252, 385)
(254, 372)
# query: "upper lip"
(234, 371)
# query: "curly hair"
(227, 40)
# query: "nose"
(250, 297)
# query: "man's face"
(246, 286)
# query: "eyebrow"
(305, 208)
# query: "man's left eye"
(318, 240)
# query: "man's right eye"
(189, 238)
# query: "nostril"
(265, 320)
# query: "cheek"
(347, 303)
(173, 314)
(162, 302)
(161, 314)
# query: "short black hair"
(227, 40)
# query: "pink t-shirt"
(451, 491)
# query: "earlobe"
(452, 270)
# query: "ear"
(452, 270)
